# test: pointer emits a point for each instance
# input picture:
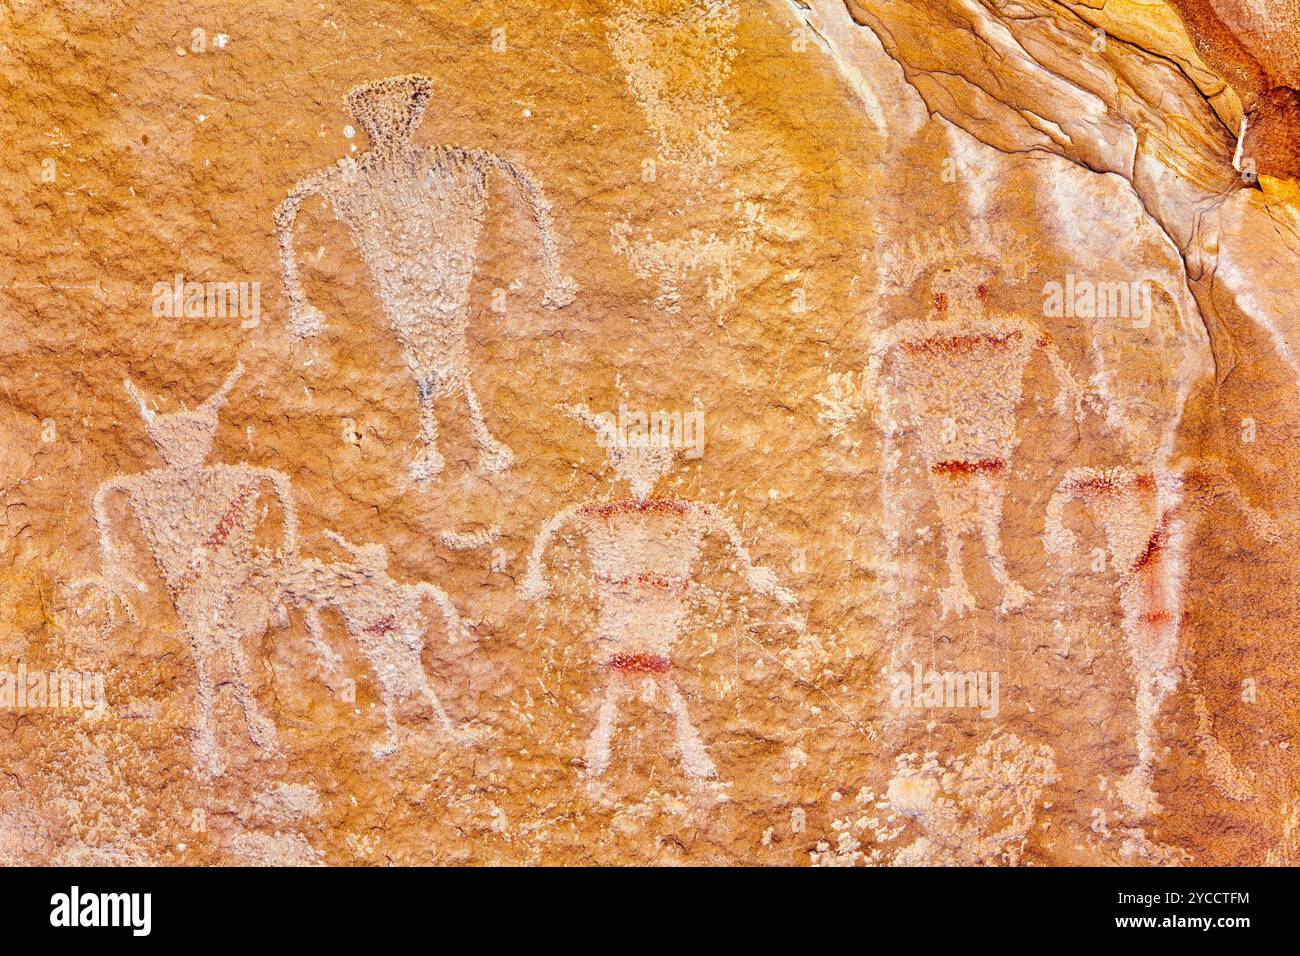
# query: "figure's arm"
(761, 579)
(316, 633)
(456, 627)
(560, 290)
(1260, 522)
(1222, 483)
(534, 585)
(113, 581)
(305, 320)
(283, 492)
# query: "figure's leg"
(205, 742)
(260, 729)
(428, 462)
(1151, 626)
(389, 747)
(1014, 596)
(956, 597)
(598, 743)
(316, 632)
(447, 725)
(695, 759)
(494, 457)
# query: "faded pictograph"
(207, 526)
(643, 551)
(1145, 521)
(669, 262)
(949, 387)
(974, 809)
(384, 617)
(200, 522)
(676, 58)
(415, 213)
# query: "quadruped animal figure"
(415, 213)
(386, 620)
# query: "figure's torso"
(959, 389)
(199, 524)
(415, 216)
(642, 555)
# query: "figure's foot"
(713, 791)
(597, 789)
(703, 770)
(562, 293)
(956, 599)
(1138, 794)
(494, 457)
(1014, 598)
(428, 464)
(698, 765)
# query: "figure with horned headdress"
(384, 617)
(415, 213)
(643, 550)
(200, 522)
(954, 381)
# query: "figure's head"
(640, 461)
(960, 288)
(958, 266)
(390, 110)
(184, 438)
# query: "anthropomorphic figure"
(384, 617)
(954, 382)
(642, 552)
(200, 523)
(1145, 522)
(415, 213)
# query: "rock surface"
(334, 533)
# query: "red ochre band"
(639, 663)
(962, 469)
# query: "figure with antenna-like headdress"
(642, 551)
(200, 521)
(954, 380)
(415, 213)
